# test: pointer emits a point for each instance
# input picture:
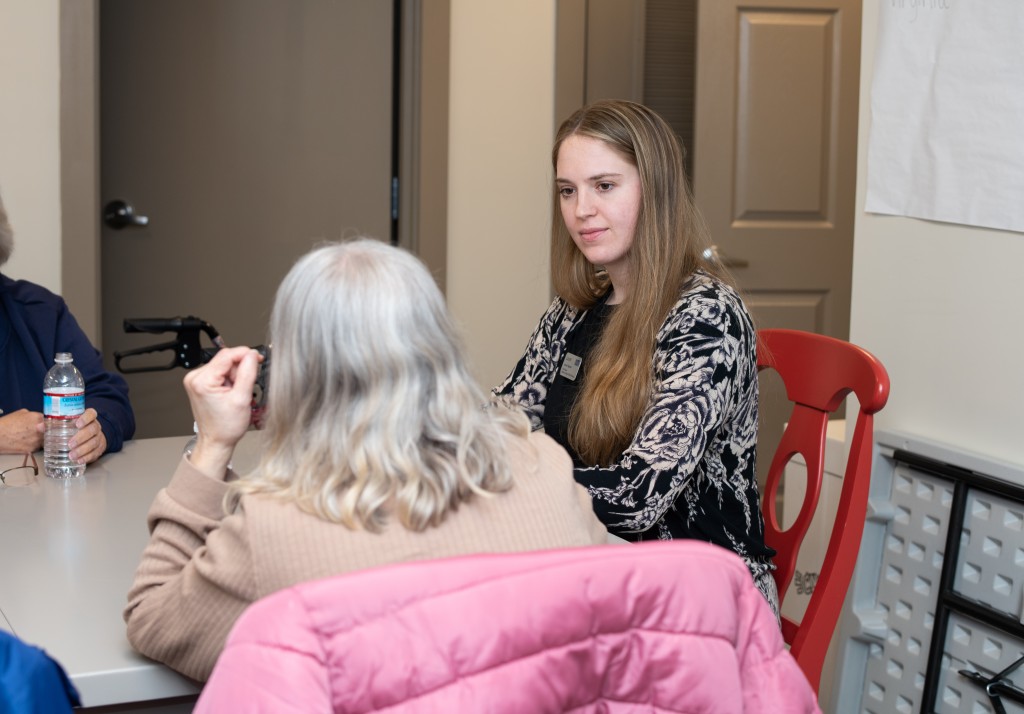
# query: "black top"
(579, 343)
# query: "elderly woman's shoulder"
(538, 453)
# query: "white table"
(68, 552)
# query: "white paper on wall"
(947, 112)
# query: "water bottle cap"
(63, 358)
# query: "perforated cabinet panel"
(991, 563)
(974, 646)
(911, 566)
(907, 593)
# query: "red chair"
(818, 372)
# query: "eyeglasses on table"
(20, 475)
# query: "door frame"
(422, 165)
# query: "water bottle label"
(63, 406)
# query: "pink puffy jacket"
(654, 627)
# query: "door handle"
(120, 214)
(715, 255)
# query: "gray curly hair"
(372, 412)
(6, 235)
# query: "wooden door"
(246, 131)
(775, 162)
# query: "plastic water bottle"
(191, 443)
(63, 403)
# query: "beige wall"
(501, 124)
(500, 127)
(30, 136)
(943, 307)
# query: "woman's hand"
(220, 393)
(89, 443)
(21, 432)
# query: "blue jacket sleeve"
(43, 325)
(105, 391)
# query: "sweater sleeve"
(696, 363)
(527, 385)
(195, 577)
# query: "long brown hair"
(668, 246)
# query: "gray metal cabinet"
(924, 631)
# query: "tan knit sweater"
(202, 568)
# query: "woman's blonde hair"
(371, 410)
(668, 246)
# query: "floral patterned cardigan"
(690, 470)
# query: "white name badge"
(571, 366)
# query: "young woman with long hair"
(644, 367)
(376, 450)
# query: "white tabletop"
(68, 552)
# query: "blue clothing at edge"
(32, 682)
(35, 324)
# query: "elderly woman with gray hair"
(377, 449)
(35, 324)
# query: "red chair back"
(818, 373)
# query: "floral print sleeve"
(699, 432)
(690, 471)
(527, 385)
